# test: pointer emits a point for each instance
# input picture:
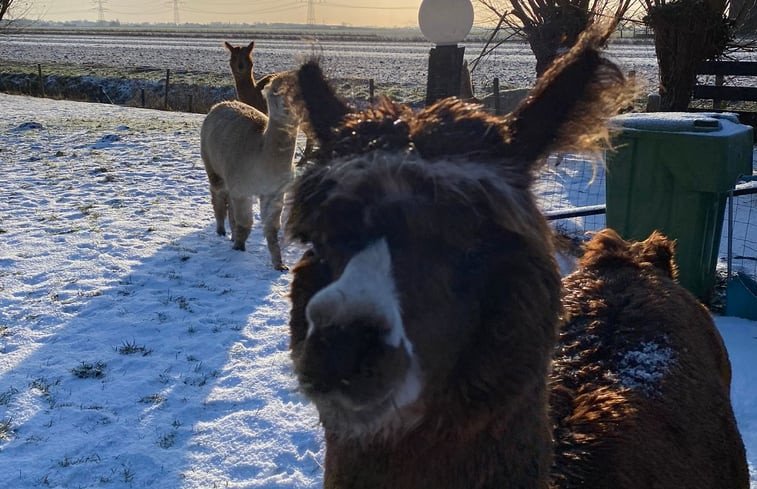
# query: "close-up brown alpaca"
(639, 360)
(427, 309)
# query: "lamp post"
(445, 23)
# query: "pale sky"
(384, 13)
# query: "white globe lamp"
(445, 22)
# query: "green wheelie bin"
(671, 172)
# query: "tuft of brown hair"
(568, 108)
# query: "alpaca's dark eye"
(348, 244)
(317, 250)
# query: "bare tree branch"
(552, 26)
(4, 7)
(11, 10)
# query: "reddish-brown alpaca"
(426, 312)
(249, 90)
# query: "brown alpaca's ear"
(228, 46)
(606, 241)
(570, 103)
(250, 46)
(323, 108)
(658, 250)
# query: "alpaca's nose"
(337, 356)
(365, 293)
(356, 344)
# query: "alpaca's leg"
(232, 221)
(261, 200)
(241, 209)
(271, 207)
(219, 197)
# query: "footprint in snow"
(106, 140)
(28, 126)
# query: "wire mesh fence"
(572, 194)
(741, 235)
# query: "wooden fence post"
(371, 90)
(717, 104)
(497, 109)
(142, 94)
(41, 80)
(190, 103)
(165, 98)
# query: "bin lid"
(692, 122)
(703, 151)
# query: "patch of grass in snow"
(127, 474)
(153, 399)
(43, 386)
(4, 331)
(133, 348)
(87, 370)
(180, 300)
(86, 209)
(7, 396)
(70, 462)
(201, 376)
(6, 429)
(167, 440)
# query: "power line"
(341, 5)
(273, 9)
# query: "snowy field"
(136, 348)
(401, 63)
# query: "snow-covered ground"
(137, 349)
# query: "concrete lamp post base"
(444, 67)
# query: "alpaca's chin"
(393, 411)
(379, 420)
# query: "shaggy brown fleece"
(641, 378)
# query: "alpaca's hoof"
(221, 232)
(281, 267)
(238, 246)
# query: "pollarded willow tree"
(11, 10)
(687, 32)
(4, 6)
(552, 26)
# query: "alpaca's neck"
(249, 93)
(503, 450)
(279, 138)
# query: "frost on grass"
(87, 370)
